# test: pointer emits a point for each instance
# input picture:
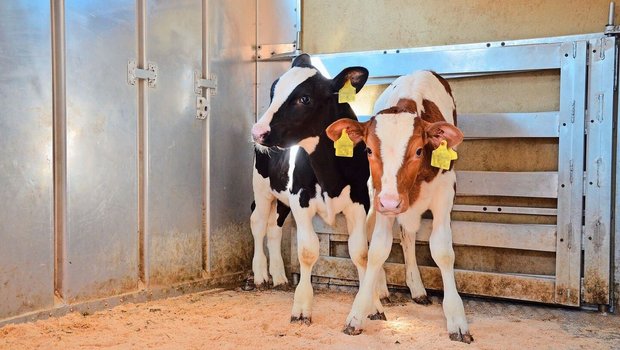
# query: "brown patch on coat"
(446, 85)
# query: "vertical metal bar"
(570, 187)
(612, 11)
(59, 140)
(206, 261)
(597, 234)
(615, 239)
(143, 156)
(300, 31)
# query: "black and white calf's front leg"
(308, 253)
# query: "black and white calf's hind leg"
(274, 245)
(268, 215)
(264, 210)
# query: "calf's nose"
(259, 132)
(390, 201)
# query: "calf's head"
(399, 147)
(303, 104)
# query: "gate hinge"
(134, 73)
(204, 83)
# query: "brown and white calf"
(412, 117)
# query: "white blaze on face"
(394, 132)
(284, 87)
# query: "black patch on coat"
(282, 210)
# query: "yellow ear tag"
(344, 145)
(346, 93)
(442, 156)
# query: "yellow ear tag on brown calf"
(442, 156)
(346, 93)
(344, 145)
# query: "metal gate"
(579, 241)
(124, 155)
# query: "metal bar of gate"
(570, 171)
(597, 235)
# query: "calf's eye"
(418, 152)
(304, 100)
(368, 151)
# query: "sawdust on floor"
(228, 319)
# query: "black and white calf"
(296, 166)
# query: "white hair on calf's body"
(418, 86)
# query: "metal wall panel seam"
(59, 117)
(143, 154)
(615, 210)
(206, 149)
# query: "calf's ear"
(439, 131)
(355, 130)
(302, 60)
(357, 76)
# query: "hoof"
(302, 320)
(285, 287)
(350, 330)
(423, 300)
(464, 338)
(378, 316)
(248, 284)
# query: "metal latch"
(149, 74)
(202, 104)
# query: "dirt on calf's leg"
(302, 320)
(350, 330)
(422, 300)
(464, 338)
(378, 316)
